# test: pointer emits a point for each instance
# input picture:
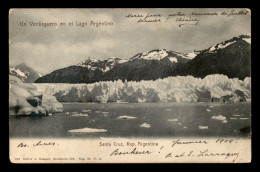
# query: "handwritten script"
(181, 18)
(180, 152)
(170, 150)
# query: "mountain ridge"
(93, 70)
(231, 57)
(24, 72)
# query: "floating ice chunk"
(50, 114)
(185, 127)
(219, 117)
(87, 130)
(224, 121)
(179, 123)
(145, 125)
(98, 111)
(173, 120)
(236, 109)
(244, 118)
(211, 106)
(78, 114)
(233, 118)
(169, 110)
(208, 110)
(236, 115)
(105, 112)
(84, 114)
(86, 111)
(67, 113)
(126, 117)
(203, 127)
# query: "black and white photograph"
(147, 76)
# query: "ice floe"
(208, 110)
(145, 125)
(236, 115)
(244, 118)
(87, 130)
(173, 120)
(126, 117)
(203, 127)
(219, 117)
(80, 114)
(86, 111)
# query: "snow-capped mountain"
(24, 72)
(143, 66)
(103, 65)
(150, 65)
(108, 64)
(231, 57)
(173, 56)
(215, 48)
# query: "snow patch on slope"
(103, 65)
(248, 40)
(220, 46)
(185, 55)
(191, 55)
(173, 59)
(18, 72)
(154, 55)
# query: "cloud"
(57, 54)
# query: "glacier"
(172, 89)
(19, 105)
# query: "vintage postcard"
(149, 85)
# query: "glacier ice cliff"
(212, 88)
(24, 99)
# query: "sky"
(46, 49)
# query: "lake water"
(145, 120)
